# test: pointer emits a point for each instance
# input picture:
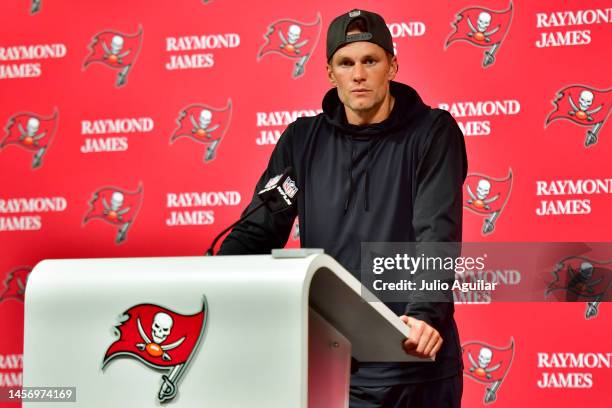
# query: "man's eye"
(370, 61)
(345, 63)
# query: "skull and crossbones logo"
(481, 199)
(114, 54)
(479, 32)
(481, 368)
(581, 111)
(581, 280)
(29, 136)
(202, 128)
(290, 44)
(113, 211)
(160, 330)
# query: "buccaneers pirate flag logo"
(487, 196)
(32, 132)
(487, 365)
(481, 27)
(582, 279)
(15, 284)
(204, 124)
(161, 339)
(584, 106)
(115, 206)
(292, 39)
(115, 50)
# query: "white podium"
(213, 332)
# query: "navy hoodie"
(399, 180)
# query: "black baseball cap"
(376, 32)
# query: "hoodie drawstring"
(367, 185)
(350, 184)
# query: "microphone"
(278, 195)
(279, 192)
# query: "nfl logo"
(289, 187)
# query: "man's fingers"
(424, 339)
(433, 341)
(416, 329)
(411, 350)
(437, 347)
(409, 345)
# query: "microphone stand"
(211, 250)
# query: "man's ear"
(330, 75)
(393, 67)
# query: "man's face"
(361, 72)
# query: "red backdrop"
(108, 97)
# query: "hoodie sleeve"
(263, 231)
(438, 206)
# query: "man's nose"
(359, 73)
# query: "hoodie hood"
(408, 105)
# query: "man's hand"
(424, 340)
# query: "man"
(377, 165)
